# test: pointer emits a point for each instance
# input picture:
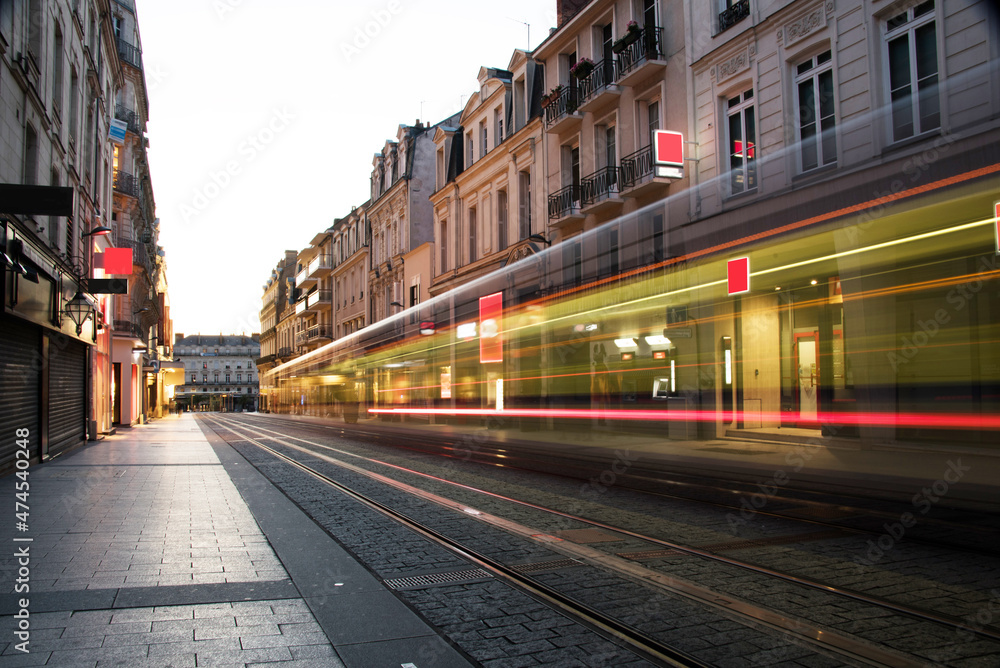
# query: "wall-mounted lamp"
(539, 237)
(396, 304)
(79, 310)
(99, 231)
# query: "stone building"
(274, 306)
(63, 69)
(138, 319)
(485, 213)
(350, 241)
(399, 215)
(220, 372)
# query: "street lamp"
(99, 231)
(539, 237)
(79, 309)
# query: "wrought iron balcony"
(313, 334)
(600, 185)
(604, 74)
(564, 202)
(127, 184)
(127, 328)
(123, 113)
(129, 54)
(565, 103)
(637, 166)
(735, 13)
(648, 47)
(285, 352)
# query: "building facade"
(350, 243)
(484, 210)
(220, 372)
(62, 70)
(399, 216)
(804, 108)
(139, 321)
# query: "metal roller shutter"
(67, 394)
(20, 387)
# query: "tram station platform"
(160, 546)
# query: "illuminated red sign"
(490, 320)
(669, 148)
(114, 261)
(738, 275)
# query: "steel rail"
(636, 641)
(861, 597)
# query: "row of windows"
(471, 248)
(911, 54)
(239, 378)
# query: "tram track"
(845, 644)
(683, 487)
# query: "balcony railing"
(129, 54)
(600, 185)
(649, 46)
(321, 262)
(603, 74)
(734, 14)
(636, 166)
(320, 297)
(565, 103)
(127, 184)
(285, 352)
(314, 333)
(123, 113)
(563, 202)
(266, 359)
(128, 328)
(139, 254)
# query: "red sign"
(738, 275)
(669, 148)
(490, 320)
(114, 261)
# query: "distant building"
(400, 215)
(350, 271)
(220, 372)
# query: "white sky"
(264, 117)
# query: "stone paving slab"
(143, 552)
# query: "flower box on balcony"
(582, 68)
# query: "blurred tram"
(876, 320)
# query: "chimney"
(567, 9)
(178, 338)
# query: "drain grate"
(437, 579)
(546, 566)
(649, 554)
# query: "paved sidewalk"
(142, 550)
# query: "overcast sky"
(264, 118)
